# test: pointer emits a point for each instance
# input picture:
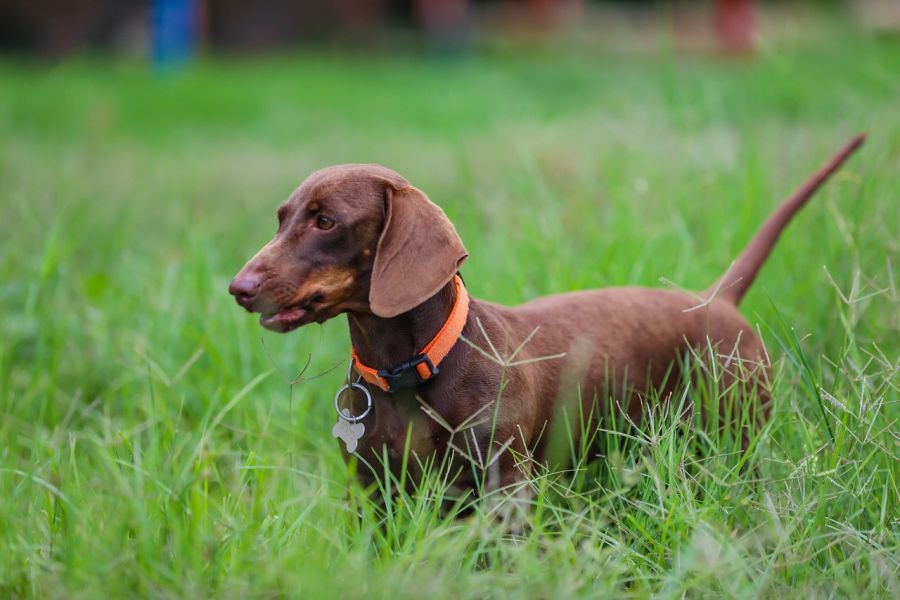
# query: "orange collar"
(424, 366)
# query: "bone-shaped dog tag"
(349, 433)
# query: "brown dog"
(359, 239)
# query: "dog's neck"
(383, 343)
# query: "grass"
(150, 447)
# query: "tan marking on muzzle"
(335, 283)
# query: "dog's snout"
(245, 289)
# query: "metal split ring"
(348, 417)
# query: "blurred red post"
(735, 25)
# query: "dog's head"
(350, 238)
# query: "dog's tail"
(737, 280)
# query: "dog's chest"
(396, 424)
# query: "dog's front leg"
(509, 491)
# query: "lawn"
(151, 441)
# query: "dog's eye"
(323, 222)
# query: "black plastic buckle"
(405, 374)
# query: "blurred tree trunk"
(734, 20)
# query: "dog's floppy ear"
(418, 251)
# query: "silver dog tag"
(349, 433)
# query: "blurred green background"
(150, 441)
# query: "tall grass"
(151, 440)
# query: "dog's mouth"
(291, 317)
(285, 319)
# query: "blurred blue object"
(174, 32)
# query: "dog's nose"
(245, 288)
